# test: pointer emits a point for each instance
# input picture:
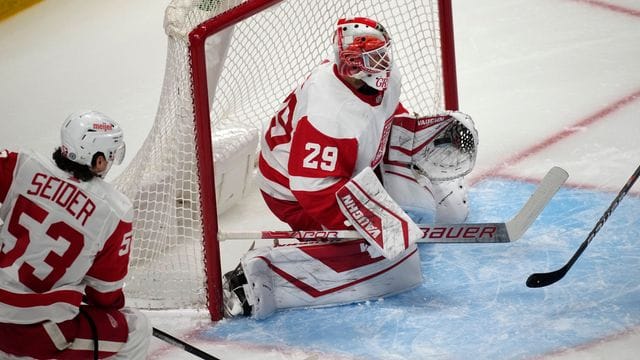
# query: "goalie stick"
(543, 279)
(454, 233)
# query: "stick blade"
(539, 280)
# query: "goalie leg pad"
(324, 274)
(411, 191)
(259, 289)
(452, 205)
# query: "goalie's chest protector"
(338, 111)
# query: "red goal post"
(214, 85)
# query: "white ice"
(529, 72)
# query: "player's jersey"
(59, 235)
(324, 134)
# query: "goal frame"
(202, 124)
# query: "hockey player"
(65, 239)
(316, 172)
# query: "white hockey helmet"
(86, 133)
(363, 51)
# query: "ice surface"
(474, 299)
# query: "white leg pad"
(412, 192)
(324, 275)
(259, 289)
(452, 205)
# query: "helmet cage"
(373, 61)
(377, 60)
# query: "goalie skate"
(233, 295)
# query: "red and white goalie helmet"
(363, 51)
(86, 133)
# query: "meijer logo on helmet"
(102, 126)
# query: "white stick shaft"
(547, 188)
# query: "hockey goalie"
(343, 153)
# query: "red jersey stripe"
(45, 299)
(272, 174)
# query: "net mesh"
(250, 70)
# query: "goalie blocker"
(376, 216)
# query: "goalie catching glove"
(441, 147)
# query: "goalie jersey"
(325, 133)
(60, 239)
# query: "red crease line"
(612, 7)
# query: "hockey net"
(229, 65)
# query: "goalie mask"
(87, 133)
(363, 51)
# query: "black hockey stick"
(543, 279)
(183, 345)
